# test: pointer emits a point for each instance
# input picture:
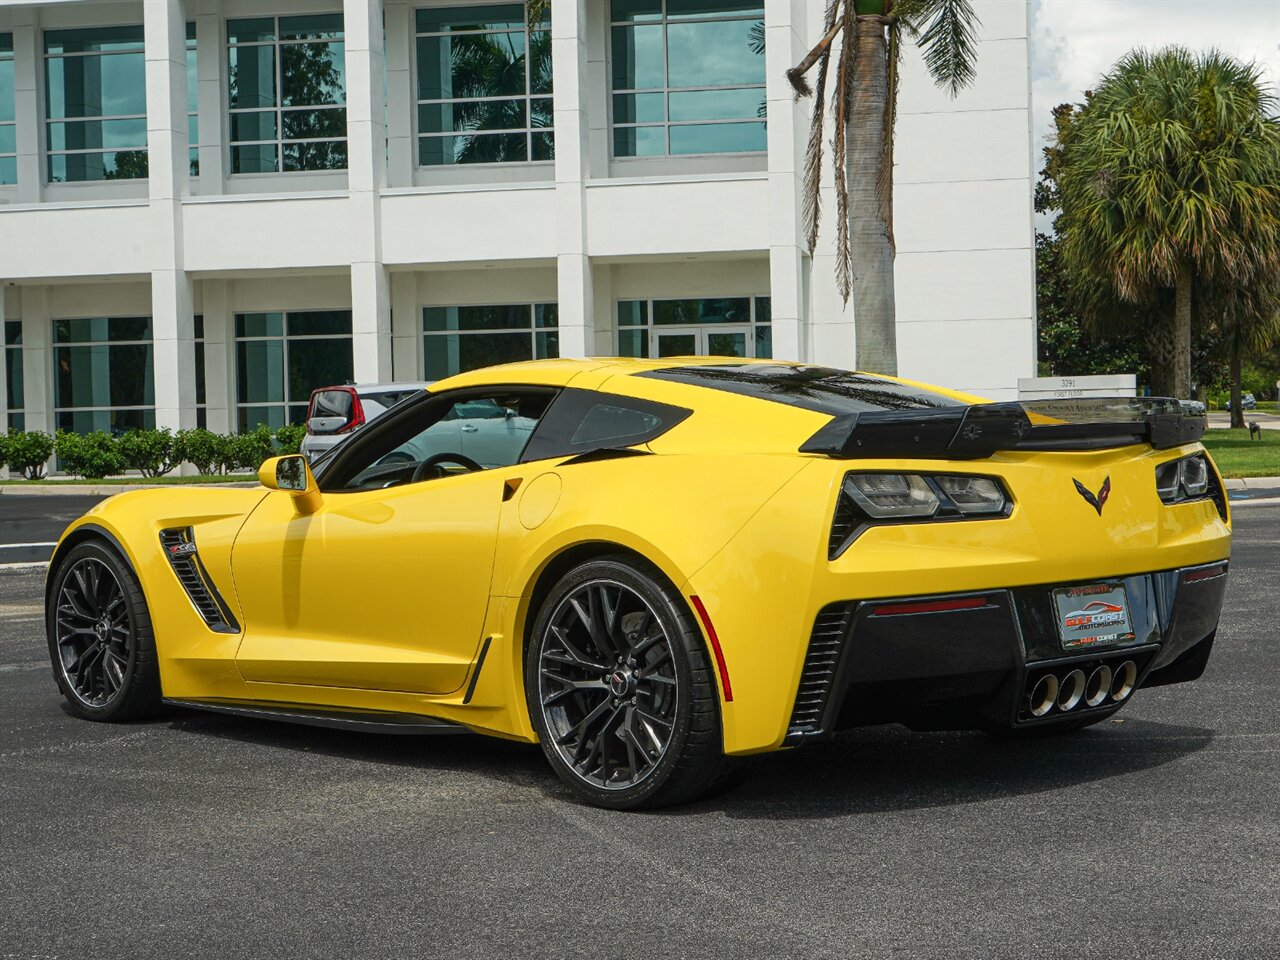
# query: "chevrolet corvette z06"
(668, 565)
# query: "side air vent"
(818, 676)
(179, 546)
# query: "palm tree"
(1169, 182)
(1247, 317)
(863, 106)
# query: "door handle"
(469, 428)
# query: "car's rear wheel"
(620, 689)
(100, 637)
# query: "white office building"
(209, 207)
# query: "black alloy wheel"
(100, 637)
(621, 691)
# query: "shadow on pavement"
(501, 760)
(870, 770)
(887, 769)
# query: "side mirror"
(292, 475)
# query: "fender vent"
(818, 676)
(179, 547)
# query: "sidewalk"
(1253, 490)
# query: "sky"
(1073, 42)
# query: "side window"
(607, 424)
(439, 437)
(581, 421)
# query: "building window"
(13, 374)
(725, 327)
(282, 357)
(457, 339)
(102, 374)
(202, 403)
(484, 85)
(8, 130)
(193, 95)
(287, 93)
(95, 104)
(688, 76)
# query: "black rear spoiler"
(972, 432)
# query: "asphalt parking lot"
(1156, 834)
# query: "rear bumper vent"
(819, 674)
(179, 547)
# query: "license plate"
(1093, 615)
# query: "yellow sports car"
(656, 567)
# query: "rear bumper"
(961, 661)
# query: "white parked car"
(335, 413)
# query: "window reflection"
(95, 104)
(484, 85)
(687, 77)
(282, 357)
(102, 374)
(457, 339)
(287, 93)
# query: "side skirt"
(366, 722)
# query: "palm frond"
(811, 190)
(946, 32)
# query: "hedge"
(153, 453)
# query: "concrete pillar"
(402, 145)
(28, 62)
(406, 327)
(165, 32)
(788, 128)
(37, 361)
(219, 355)
(210, 58)
(573, 266)
(367, 175)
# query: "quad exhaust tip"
(1098, 687)
(1071, 690)
(1064, 694)
(1126, 677)
(1043, 695)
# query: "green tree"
(1169, 182)
(863, 108)
(1247, 318)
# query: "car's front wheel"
(621, 691)
(100, 637)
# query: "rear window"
(820, 389)
(331, 403)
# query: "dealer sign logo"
(1099, 501)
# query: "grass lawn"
(1238, 456)
(123, 481)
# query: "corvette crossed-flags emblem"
(1099, 501)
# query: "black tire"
(100, 639)
(643, 668)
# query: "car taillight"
(357, 414)
(1190, 478)
(869, 499)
